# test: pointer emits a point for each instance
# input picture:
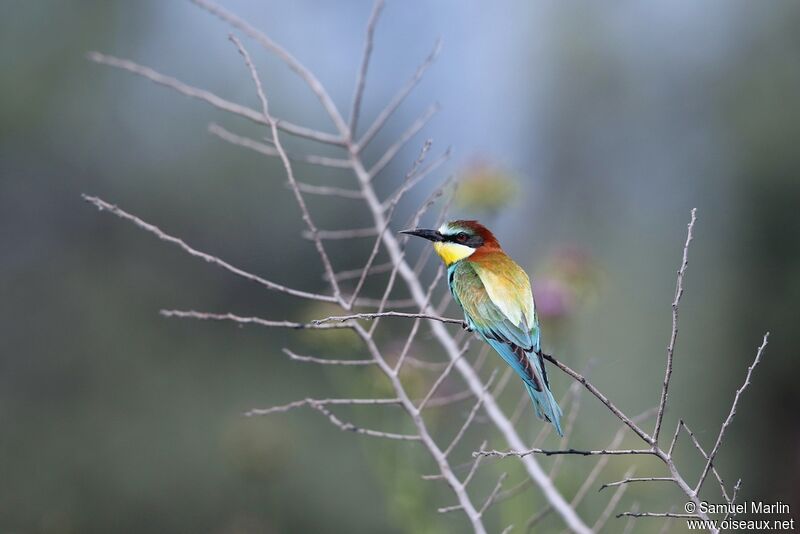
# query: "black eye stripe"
(462, 238)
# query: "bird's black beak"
(430, 235)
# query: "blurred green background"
(585, 133)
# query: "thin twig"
(307, 76)
(437, 383)
(204, 316)
(732, 413)
(416, 178)
(674, 335)
(553, 452)
(412, 130)
(362, 72)
(209, 97)
(612, 503)
(476, 462)
(356, 273)
(438, 455)
(398, 99)
(493, 494)
(329, 191)
(350, 427)
(325, 361)
(568, 426)
(269, 150)
(594, 474)
(470, 417)
(317, 402)
(262, 97)
(376, 246)
(102, 205)
(370, 316)
(347, 233)
(669, 515)
(732, 500)
(594, 391)
(631, 520)
(701, 450)
(637, 479)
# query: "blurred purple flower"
(568, 279)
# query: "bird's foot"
(466, 327)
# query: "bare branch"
(603, 461)
(329, 191)
(370, 316)
(447, 400)
(415, 329)
(451, 348)
(538, 516)
(326, 262)
(612, 503)
(393, 278)
(392, 151)
(638, 479)
(674, 335)
(210, 98)
(630, 523)
(470, 417)
(307, 76)
(732, 413)
(438, 382)
(324, 361)
(475, 464)
(269, 150)
(350, 427)
(395, 102)
(377, 303)
(514, 491)
(191, 314)
(732, 500)
(448, 509)
(416, 178)
(356, 273)
(568, 426)
(349, 233)
(362, 73)
(594, 391)
(317, 402)
(493, 494)
(682, 425)
(508, 374)
(441, 460)
(102, 205)
(519, 409)
(675, 438)
(376, 247)
(382, 213)
(553, 452)
(668, 515)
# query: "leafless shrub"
(346, 292)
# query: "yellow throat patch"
(452, 252)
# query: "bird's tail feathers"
(543, 401)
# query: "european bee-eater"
(495, 295)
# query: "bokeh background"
(584, 133)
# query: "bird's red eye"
(461, 237)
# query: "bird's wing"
(509, 336)
(509, 289)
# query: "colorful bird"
(495, 295)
